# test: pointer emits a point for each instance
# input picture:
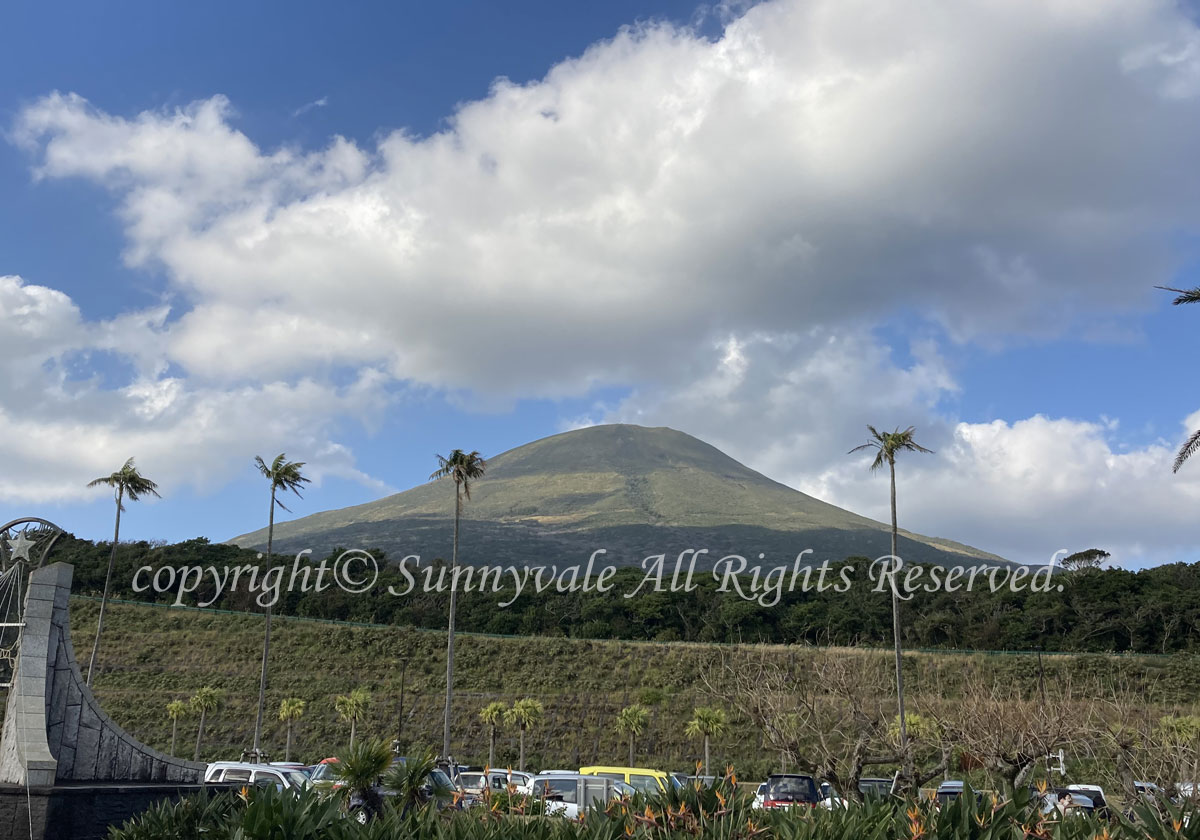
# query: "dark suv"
(786, 790)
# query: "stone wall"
(54, 729)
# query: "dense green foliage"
(1150, 611)
(720, 813)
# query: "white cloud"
(1002, 167)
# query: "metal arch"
(44, 548)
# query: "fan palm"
(1192, 444)
(204, 702)
(360, 771)
(462, 468)
(492, 716)
(290, 711)
(706, 723)
(353, 707)
(126, 482)
(632, 720)
(414, 784)
(284, 475)
(524, 713)
(886, 446)
(176, 709)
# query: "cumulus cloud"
(1000, 167)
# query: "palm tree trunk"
(450, 626)
(630, 749)
(199, 735)
(287, 751)
(262, 677)
(353, 726)
(706, 754)
(174, 732)
(112, 561)
(492, 748)
(521, 757)
(905, 757)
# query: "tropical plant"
(886, 446)
(204, 702)
(290, 711)
(352, 707)
(462, 468)
(492, 716)
(360, 771)
(524, 713)
(414, 784)
(176, 709)
(706, 723)
(283, 475)
(125, 482)
(1192, 444)
(632, 721)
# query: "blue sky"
(765, 225)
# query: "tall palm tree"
(492, 716)
(353, 707)
(283, 475)
(886, 446)
(204, 702)
(290, 711)
(462, 468)
(632, 720)
(524, 713)
(176, 709)
(125, 482)
(1192, 444)
(706, 723)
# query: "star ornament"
(20, 547)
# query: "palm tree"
(176, 709)
(353, 707)
(886, 446)
(707, 723)
(492, 716)
(632, 720)
(524, 713)
(359, 771)
(413, 784)
(126, 482)
(284, 475)
(1192, 444)
(290, 711)
(205, 701)
(462, 468)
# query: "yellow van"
(640, 778)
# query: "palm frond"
(1187, 450)
(1183, 295)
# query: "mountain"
(632, 490)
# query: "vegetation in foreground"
(721, 812)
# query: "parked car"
(759, 796)
(641, 778)
(875, 788)
(233, 772)
(1096, 794)
(787, 790)
(569, 794)
(948, 791)
(830, 798)
(473, 782)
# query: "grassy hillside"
(633, 490)
(152, 655)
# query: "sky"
(366, 235)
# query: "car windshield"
(438, 778)
(678, 785)
(470, 780)
(323, 771)
(295, 778)
(792, 789)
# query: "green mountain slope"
(632, 490)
